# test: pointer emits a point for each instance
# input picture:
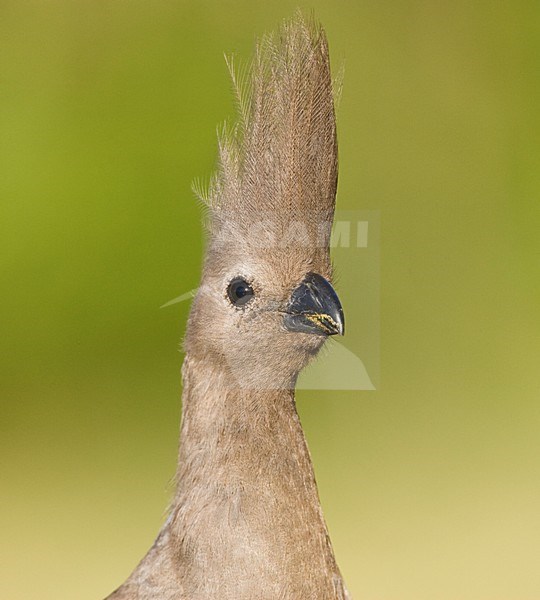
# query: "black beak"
(315, 308)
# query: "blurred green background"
(430, 485)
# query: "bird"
(245, 520)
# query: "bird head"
(266, 303)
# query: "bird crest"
(277, 166)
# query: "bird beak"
(315, 308)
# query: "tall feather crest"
(281, 156)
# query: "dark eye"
(239, 291)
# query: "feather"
(280, 158)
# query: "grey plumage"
(246, 521)
(281, 156)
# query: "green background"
(430, 485)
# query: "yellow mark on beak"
(324, 321)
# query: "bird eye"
(239, 291)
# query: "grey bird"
(245, 521)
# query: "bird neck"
(246, 494)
